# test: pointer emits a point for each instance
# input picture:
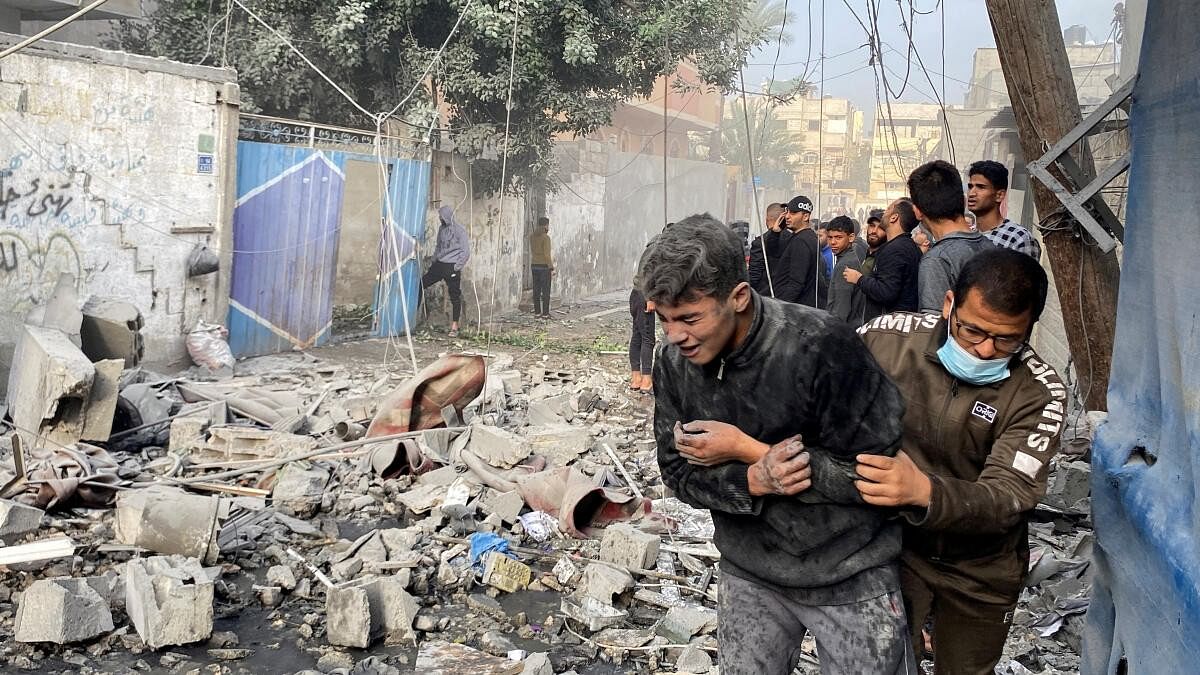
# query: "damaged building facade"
(114, 170)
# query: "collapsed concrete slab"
(169, 600)
(498, 447)
(362, 611)
(170, 521)
(48, 387)
(235, 443)
(61, 611)
(111, 329)
(17, 520)
(624, 544)
(101, 405)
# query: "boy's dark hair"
(695, 257)
(995, 172)
(908, 217)
(543, 221)
(937, 189)
(1010, 282)
(841, 224)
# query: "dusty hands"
(783, 470)
(708, 443)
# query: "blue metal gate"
(399, 284)
(285, 235)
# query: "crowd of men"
(870, 432)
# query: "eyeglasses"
(975, 335)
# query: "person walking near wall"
(642, 338)
(541, 264)
(451, 255)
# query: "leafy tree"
(575, 60)
(776, 150)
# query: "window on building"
(814, 125)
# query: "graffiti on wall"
(30, 266)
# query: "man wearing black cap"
(801, 279)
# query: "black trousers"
(641, 342)
(444, 271)
(541, 289)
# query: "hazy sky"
(848, 75)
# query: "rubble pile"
(309, 515)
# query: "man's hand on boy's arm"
(709, 443)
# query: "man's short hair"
(1010, 282)
(995, 172)
(908, 217)
(774, 210)
(841, 224)
(698, 256)
(937, 189)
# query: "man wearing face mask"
(983, 417)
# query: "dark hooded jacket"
(799, 371)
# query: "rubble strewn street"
(512, 519)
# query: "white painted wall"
(99, 158)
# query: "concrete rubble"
(246, 536)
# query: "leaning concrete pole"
(1034, 58)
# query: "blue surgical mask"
(967, 367)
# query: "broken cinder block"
(61, 611)
(683, 622)
(498, 447)
(17, 519)
(602, 582)
(360, 612)
(102, 400)
(298, 491)
(505, 573)
(170, 521)
(111, 329)
(624, 544)
(233, 443)
(48, 387)
(169, 600)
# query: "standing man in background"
(801, 278)
(765, 251)
(891, 284)
(936, 190)
(541, 264)
(987, 187)
(451, 255)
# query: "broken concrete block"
(298, 491)
(560, 444)
(624, 544)
(505, 573)
(448, 658)
(61, 611)
(602, 582)
(61, 311)
(111, 329)
(498, 447)
(511, 380)
(362, 611)
(281, 576)
(506, 505)
(170, 521)
(553, 410)
(48, 387)
(682, 623)
(17, 519)
(592, 613)
(400, 542)
(187, 433)
(102, 400)
(233, 443)
(694, 660)
(537, 663)
(169, 600)
(1070, 485)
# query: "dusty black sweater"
(799, 371)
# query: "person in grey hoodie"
(761, 409)
(937, 195)
(451, 255)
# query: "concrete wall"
(608, 207)
(358, 236)
(113, 168)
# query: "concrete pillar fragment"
(169, 600)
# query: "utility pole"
(1030, 44)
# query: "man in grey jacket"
(761, 407)
(937, 196)
(451, 255)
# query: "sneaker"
(453, 333)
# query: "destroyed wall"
(112, 168)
